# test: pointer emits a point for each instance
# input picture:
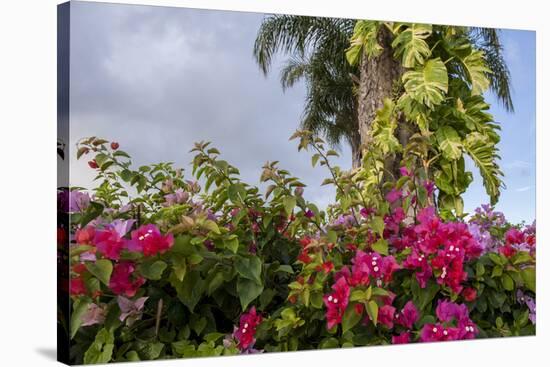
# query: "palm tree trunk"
(377, 80)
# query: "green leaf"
(449, 142)
(152, 270)
(424, 296)
(190, 289)
(289, 202)
(101, 350)
(428, 84)
(377, 225)
(236, 193)
(328, 343)
(232, 244)
(314, 159)
(477, 71)
(410, 44)
(381, 246)
(249, 268)
(101, 269)
(484, 153)
(211, 226)
(522, 257)
(151, 351)
(372, 311)
(180, 266)
(507, 282)
(364, 41)
(248, 291)
(93, 211)
(350, 318)
(529, 278)
(80, 306)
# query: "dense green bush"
(165, 267)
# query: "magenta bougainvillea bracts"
(109, 243)
(124, 281)
(337, 302)
(454, 324)
(148, 240)
(244, 333)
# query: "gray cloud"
(157, 79)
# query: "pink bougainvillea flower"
(366, 212)
(438, 333)
(78, 201)
(109, 243)
(403, 338)
(148, 240)
(309, 214)
(337, 302)
(408, 315)
(122, 227)
(85, 236)
(123, 279)
(386, 315)
(507, 250)
(404, 171)
(455, 324)
(394, 195)
(94, 315)
(513, 236)
(246, 330)
(387, 267)
(131, 311)
(429, 186)
(178, 197)
(77, 287)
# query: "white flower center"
(376, 268)
(330, 298)
(434, 330)
(373, 263)
(335, 300)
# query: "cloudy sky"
(157, 79)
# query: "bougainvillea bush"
(166, 264)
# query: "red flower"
(150, 241)
(123, 280)
(114, 145)
(247, 329)
(337, 302)
(469, 294)
(514, 236)
(79, 268)
(304, 242)
(386, 315)
(109, 243)
(402, 338)
(304, 257)
(438, 332)
(408, 315)
(85, 235)
(77, 287)
(93, 164)
(507, 251)
(326, 267)
(394, 195)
